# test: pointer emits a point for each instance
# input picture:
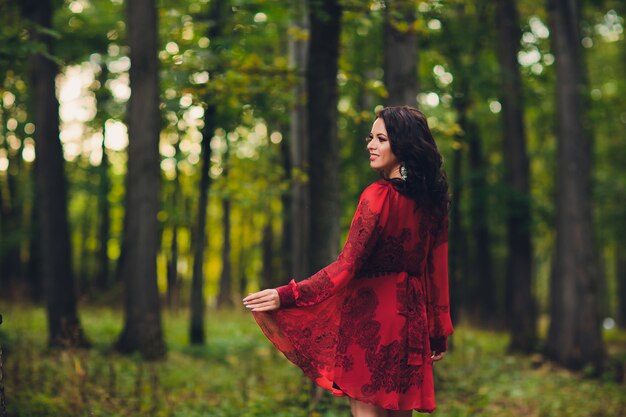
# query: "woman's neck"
(393, 173)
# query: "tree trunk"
(481, 286)
(620, 271)
(322, 93)
(172, 276)
(3, 404)
(244, 255)
(172, 271)
(196, 328)
(84, 254)
(9, 262)
(225, 296)
(400, 53)
(142, 328)
(479, 282)
(64, 327)
(33, 267)
(575, 337)
(104, 208)
(458, 244)
(218, 17)
(299, 141)
(482, 260)
(286, 199)
(11, 224)
(267, 249)
(17, 215)
(519, 301)
(28, 222)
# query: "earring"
(403, 172)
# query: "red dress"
(365, 325)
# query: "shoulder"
(379, 186)
(377, 191)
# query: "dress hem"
(342, 393)
(330, 386)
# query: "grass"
(239, 373)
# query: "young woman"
(370, 325)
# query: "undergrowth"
(239, 373)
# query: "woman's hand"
(266, 300)
(437, 356)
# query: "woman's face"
(381, 157)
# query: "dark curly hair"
(413, 144)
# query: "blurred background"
(160, 159)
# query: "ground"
(238, 373)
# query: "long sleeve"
(438, 303)
(364, 232)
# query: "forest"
(162, 159)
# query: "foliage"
(239, 373)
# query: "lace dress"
(365, 325)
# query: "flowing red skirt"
(355, 343)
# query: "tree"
(287, 232)
(322, 95)
(299, 146)
(104, 207)
(620, 271)
(173, 278)
(466, 38)
(196, 325)
(482, 286)
(458, 257)
(620, 223)
(64, 327)
(267, 255)
(218, 16)
(225, 296)
(142, 325)
(519, 300)
(574, 337)
(176, 200)
(400, 53)
(3, 408)
(11, 220)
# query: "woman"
(370, 325)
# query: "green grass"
(239, 373)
